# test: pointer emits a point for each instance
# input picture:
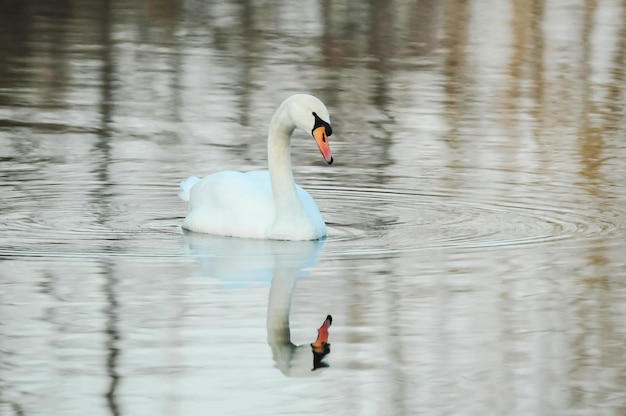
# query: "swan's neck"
(279, 160)
(278, 307)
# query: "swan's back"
(242, 205)
(231, 203)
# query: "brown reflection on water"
(590, 135)
(455, 43)
(527, 57)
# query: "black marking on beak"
(319, 123)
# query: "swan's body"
(264, 204)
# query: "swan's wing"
(231, 203)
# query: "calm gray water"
(476, 257)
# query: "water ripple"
(405, 221)
(56, 221)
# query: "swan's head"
(311, 115)
(321, 347)
(291, 359)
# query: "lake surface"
(476, 256)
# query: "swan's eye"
(321, 123)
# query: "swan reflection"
(238, 262)
(292, 359)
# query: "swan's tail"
(185, 187)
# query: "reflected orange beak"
(322, 142)
(322, 336)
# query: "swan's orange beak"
(322, 142)
(322, 336)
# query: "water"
(475, 262)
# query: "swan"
(264, 204)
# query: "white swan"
(264, 204)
